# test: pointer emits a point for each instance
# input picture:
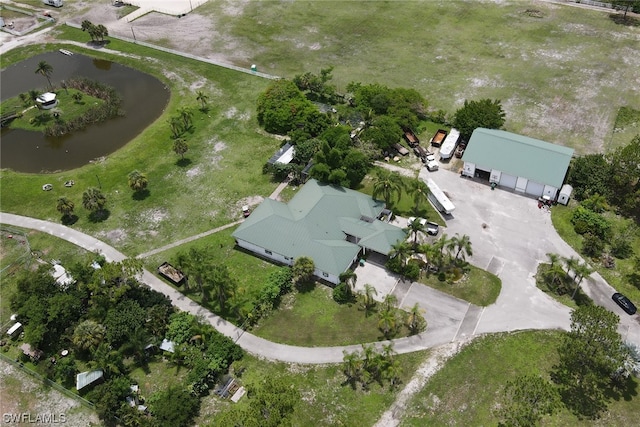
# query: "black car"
(624, 303)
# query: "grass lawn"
(314, 319)
(34, 119)
(465, 390)
(325, 400)
(616, 277)
(477, 286)
(157, 375)
(223, 167)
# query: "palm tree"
(202, 98)
(222, 283)
(462, 245)
(88, 335)
(93, 200)
(185, 115)
(351, 365)
(553, 258)
(369, 292)
(107, 359)
(414, 319)
(581, 271)
(392, 372)
(137, 181)
(387, 322)
(419, 191)
(180, 147)
(390, 302)
(65, 207)
(402, 250)
(137, 342)
(416, 227)
(45, 69)
(33, 95)
(571, 263)
(387, 184)
(175, 125)
(101, 32)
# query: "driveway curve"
(249, 342)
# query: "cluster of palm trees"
(93, 200)
(183, 122)
(444, 255)
(97, 32)
(562, 274)
(369, 365)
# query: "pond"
(144, 98)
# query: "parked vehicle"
(413, 218)
(432, 228)
(246, 211)
(411, 138)
(438, 138)
(421, 153)
(449, 145)
(432, 166)
(54, 3)
(624, 303)
(400, 149)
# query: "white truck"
(54, 3)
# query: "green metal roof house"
(329, 224)
(528, 165)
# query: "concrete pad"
(376, 275)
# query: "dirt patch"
(249, 201)
(115, 236)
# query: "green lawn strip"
(325, 400)
(492, 58)
(478, 286)
(466, 389)
(616, 277)
(34, 119)
(314, 319)
(226, 155)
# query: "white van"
(54, 3)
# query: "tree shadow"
(69, 219)
(183, 162)
(623, 388)
(140, 195)
(306, 286)
(620, 19)
(582, 299)
(99, 215)
(204, 109)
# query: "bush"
(621, 247)
(592, 246)
(341, 293)
(596, 224)
(412, 271)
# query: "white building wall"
(507, 180)
(469, 169)
(550, 191)
(534, 189)
(495, 175)
(521, 184)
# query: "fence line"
(187, 55)
(48, 382)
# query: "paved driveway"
(510, 236)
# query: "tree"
(202, 98)
(581, 271)
(303, 269)
(626, 5)
(351, 366)
(137, 181)
(174, 406)
(553, 258)
(384, 132)
(122, 320)
(33, 95)
(420, 193)
(485, 113)
(93, 200)
(45, 69)
(77, 96)
(625, 178)
(356, 165)
(526, 400)
(106, 358)
(180, 147)
(186, 116)
(88, 335)
(387, 322)
(349, 278)
(590, 174)
(89, 27)
(462, 246)
(414, 320)
(387, 184)
(368, 300)
(223, 284)
(175, 125)
(65, 207)
(401, 250)
(589, 357)
(416, 228)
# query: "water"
(144, 99)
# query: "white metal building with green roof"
(527, 165)
(332, 225)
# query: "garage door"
(534, 189)
(508, 181)
(521, 184)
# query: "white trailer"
(54, 3)
(449, 145)
(438, 198)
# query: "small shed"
(15, 329)
(84, 379)
(167, 345)
(284, 154)
(47, 100)
(31, 352)
(565, 194)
